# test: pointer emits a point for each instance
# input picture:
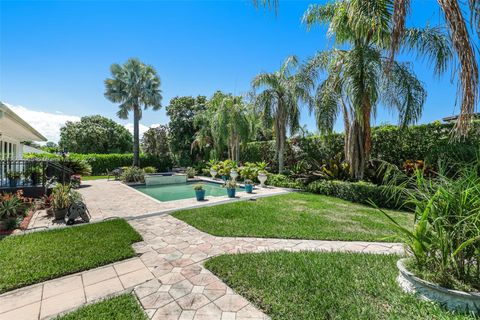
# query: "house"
(13, 131)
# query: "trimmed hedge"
(102, 162)
(430, 142)
(359, 192)
(283, 181)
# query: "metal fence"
(21, 173)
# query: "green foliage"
(10, 206)
(95, 134)
(63, 196)
(249, 171)
(149, 169)
(283, 181)
(155, 141)
(44, 255)
(124, 306)
(359, 192)
(101, 163)
(181, 112)
(231, 184)
(198, 187)
(191, 172)
(133, 175)
(445, 240)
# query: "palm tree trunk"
(136, 137)
(356, 150)
(346, 124)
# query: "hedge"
(359, 192)
(102, 162)
(430, 142)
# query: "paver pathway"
(169, 278)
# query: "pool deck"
(113, 199)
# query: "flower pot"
(262, 177)
(451, 299)
(233, 174)
(60, 214)
(12, 183)
(49, 211)
(200, 194)
(249, 188)
(213, 173)
(231, 192)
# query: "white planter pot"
(451, 299)
(262, 177)
(234, 174)
(213, 173)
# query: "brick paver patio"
(168, 277)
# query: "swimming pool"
(170, 192)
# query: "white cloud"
(141, 128)
(47, 123)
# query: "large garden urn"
(262, 177)
(233, 174)
(213, 173)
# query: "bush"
(101, 163)
(133, 175)
(191, 172)
(359, 192)
(150, 169)
(283, 181)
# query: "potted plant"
(199, 192)
(13, 177)
(35, 173)
(213, 171)
(231, 186)
(60, 200)
(75, 181)
(248, 185)
(262, 173)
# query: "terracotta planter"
(450, 299)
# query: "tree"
(280, 98)
(463, 45)
(95, 134)
(225, 124)
(182, 111)
(155, 141)
(360, 77)
(134, 85)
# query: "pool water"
(169, 192)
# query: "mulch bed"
(23, 225)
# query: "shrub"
(133, 174)
(283, 181)
(359, 192)
(149, 169)
(191, 172)
(198, 187)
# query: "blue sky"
(54, 56)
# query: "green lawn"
(295, 215)
(87, 178)
(122, 307)
(44, 255)
(310, 285)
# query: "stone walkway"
(168, 277)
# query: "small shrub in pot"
(199, 192)
(231, 186)
(248, 185)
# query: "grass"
(296, 216)
(40, 256)
(121, 307)
(87, 178)
(309, 285)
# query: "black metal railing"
(21, 173)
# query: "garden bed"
(312, 285)
(23, 225)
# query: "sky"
(55, 55)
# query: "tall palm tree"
(464, 48)
(279, 101)
(362, 76)
(134, 85)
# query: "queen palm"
(362, 76)
(135, 86)
(279, 101)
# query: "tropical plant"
(133, 174)
(231, 184)
(279, 101)
(14, 175)
(61, 198)
(262, 167)
(134, 85)
(10, 206)
(248, 182)
(463, 44)
(445, 240)
(198, 187)
(150, 169)
(249, 171)
(335, 169)
(191, 172)
(360, 77)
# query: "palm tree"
(463, 45)
(360, 77)
(225, 124)
(279, 101)
(134, 85)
